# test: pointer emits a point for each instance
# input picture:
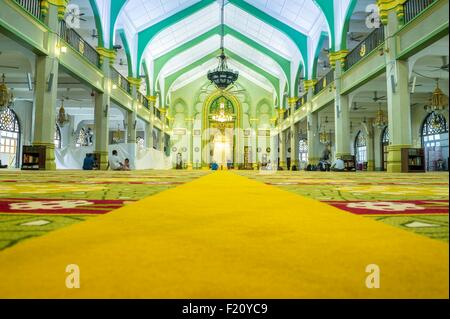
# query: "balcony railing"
(76, 41)
(287, 114)
(120, 80)
(143, 99)
(412, 8)
(32, 6)
(157, 112)
(370, 43)
(324, 81)
(301, 101)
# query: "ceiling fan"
(94, 34)
(443, 67)
(355, 38)
(122, 63)
(355, 107)
(9, 67)
(73, 13)
(376, 98)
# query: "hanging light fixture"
(222, 116)
(222, 76)
(380, 120)
(324, 136)
(62, 118)
(5, 95)
(438, 99)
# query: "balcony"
(326, 80)
(76, 41)
(120, 80)
(301, 101)
(412, 8)
(31, 6)
(143, 100)
(370, 43)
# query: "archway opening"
(435, 142)
(9, 139)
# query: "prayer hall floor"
(176, 234)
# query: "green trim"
(327, 8)
(115, 9)
(126, 47)
(323, 36)
(98, 23)
(145, 36)
(161, 61)
(147, 78)
(300, 40)
(346, 26)
(297, 81)
(170, 79)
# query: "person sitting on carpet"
(338, 165)
(114, 162)
(214, 166)
(126, 165)
(88, 163)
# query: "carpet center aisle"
(225, 236)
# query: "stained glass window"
(434, 124)
(9, 132)
(140, 141)
(361, 148)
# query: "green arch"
(316, 55)
(160, 62)
(126, 47)
(346, 26)
(169, 80)
(327, 7)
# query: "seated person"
(338, 165)
(114, 162)
(88, 163)
(126, 165)
(214, 166)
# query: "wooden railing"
(324, 81)
(412, 8)
(32, 6)
(78, 43)
(370, 43)
(120, 80)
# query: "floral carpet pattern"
(35, 203)
(413, 202)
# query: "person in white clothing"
(115, 163)
(338, 165)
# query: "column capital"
(292, 101)
(338, 56)
(106, 53)
(61, 4)
(134, 81)
(386, 6)
(309, 84)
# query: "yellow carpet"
(225, 236)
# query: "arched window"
(303, 152)
(57, 139)
(435, 142)
(9, 138)
(140, 141)
(361, 149)
(385, 140)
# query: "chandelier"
(380, 120)
(62, 117)
(117, 135)
(438, 101)
(222, 76)
(222, 116)
(5, 95)
(324, 136)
